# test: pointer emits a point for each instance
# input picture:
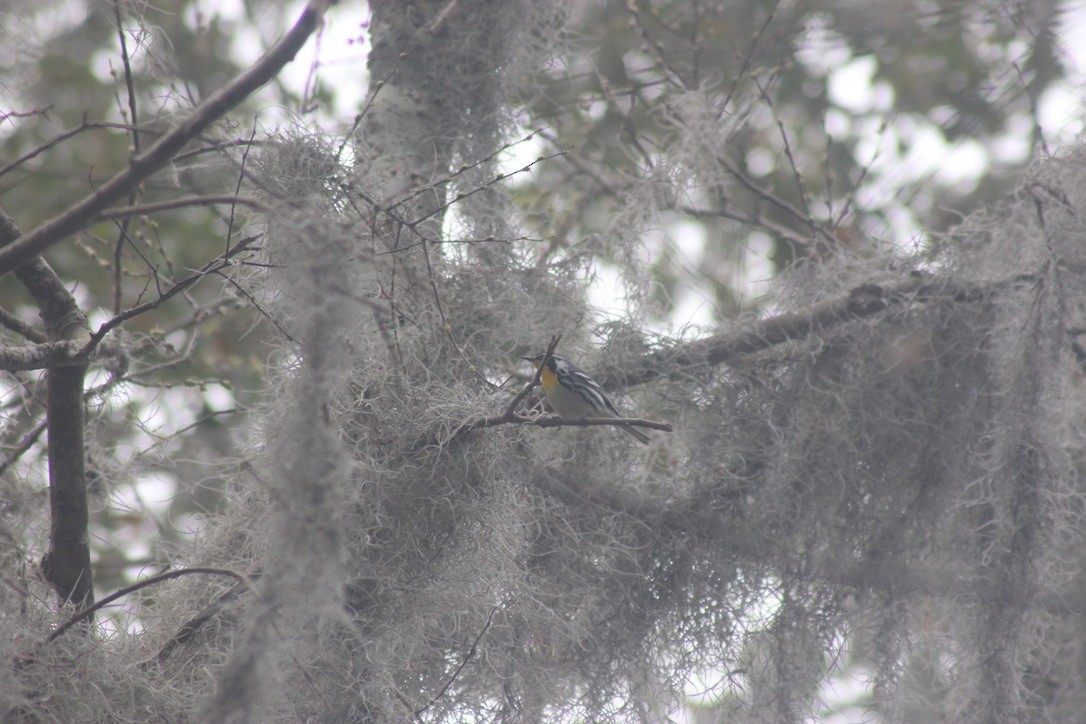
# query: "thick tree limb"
(47, 355)
(860, 302)
(140, 167)
(56, 306)
(67, 563)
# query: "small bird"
(574, 395)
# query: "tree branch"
(860, 302)
(89, 611)
(140, 167)
(20, 327)
(181, 203)
(47, 355)
(191, 627)
(210, 267)
(535, 378)
(555, 421)
(67, 564)
(510, 416)
(456, 674)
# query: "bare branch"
(89, 611)
(18, 326)
(127, 76)
(555, 421)
(535, 378)
(209, 268)
(467, 657)
(140, 167)
(181, 203)
(122, 227)
(64, 136)
(25, 444)
(67, 565)
(860, 302)
(42, 356)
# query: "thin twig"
(748, 58)
(181, 203)
(535, 378)
(497, 178)
(237, 188)
(64, 136)
(123, 226)
(257, 306)
(140, 167)
(366, 107)
(864, 170)
(87, 612)
(803, 196)
(467, 657)
(654, 46)
(25, 444)
(508, 417)
(775, 200)
(1034, 112)
(467, 167)
(211, 267)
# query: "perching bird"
(574, 395)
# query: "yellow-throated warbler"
(573, 394)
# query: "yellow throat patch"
(548, 379)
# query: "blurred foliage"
(67, 127)
(968, 70)
(963, 71)
(76, 80)
(679, 88)
(621, 101)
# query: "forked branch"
(140, 167)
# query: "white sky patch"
(339, 59)
(606, 294)
(689, 240)
(218, 397)
(1060, 107)
(821, 49)
(850, 86)
(151, 492)
(694, 304)
(1059, 111)
(845, 697)
(1013, 146)
(162, 415)
(963, 166)
(757, 266)
(761, 161)
(136, 511)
